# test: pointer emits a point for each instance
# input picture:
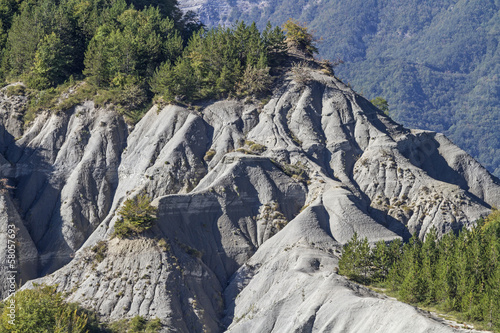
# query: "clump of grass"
(209, 155)
(258, 148)
(15, 90)
(162, 243)
(297, 171)
(135, 325)
(100, 250)
(301, 72)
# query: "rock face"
(210, 12)
(254, 202)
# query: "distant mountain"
(436, 62)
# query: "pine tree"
(355, 261)
(274, 41)
(51, 64)
(26, 31)
(97, 66)
(409, 271)
(462, 275)
(443, 284)
(429, 262)
(8, 9)
(136, 216)
(380, 261)
(298, 36)
(349, 261)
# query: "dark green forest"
(437, 63)
(129, 54)
(458, 273)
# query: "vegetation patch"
(137, 324)
(136, 216)
(298, 36)
(100, 250)
(458, 274)
(15, 90)
(270, 213)
(191, 250)
(209, 155)
(301, 72)
(43, 309)
(222, 62)
(162, 244)
(381, 104)
(297, 171)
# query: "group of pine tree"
(137, 49)
(459, 272)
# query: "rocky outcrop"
(254, 202)
(19, 255)
(65, 172)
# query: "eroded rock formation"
(254, 202)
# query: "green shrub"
(15, 90)
(258, 148)
(83, 91)
(162, 244)
(191, 251)
(209, 155)
(43, 310)
(297, 171)
(254, 82)
(100, 250)
(381, 104)
(299, 37)
(137, 216)
(41, 100)
(138, 324)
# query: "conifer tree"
(298, 36)
(274, 41)
(51, 64)
(349, 261)
(380, 260)
(444, 269)
(355, 259)
(97, 66)
(136, 215)
(409, 268)
(461, 274)
(26, 31)
(429, 262)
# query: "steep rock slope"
(65, 172)
(254, 202)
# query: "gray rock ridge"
(65, 172)
(13, 108)
(254, 204)
(24, 253)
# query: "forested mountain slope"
(436, 62)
